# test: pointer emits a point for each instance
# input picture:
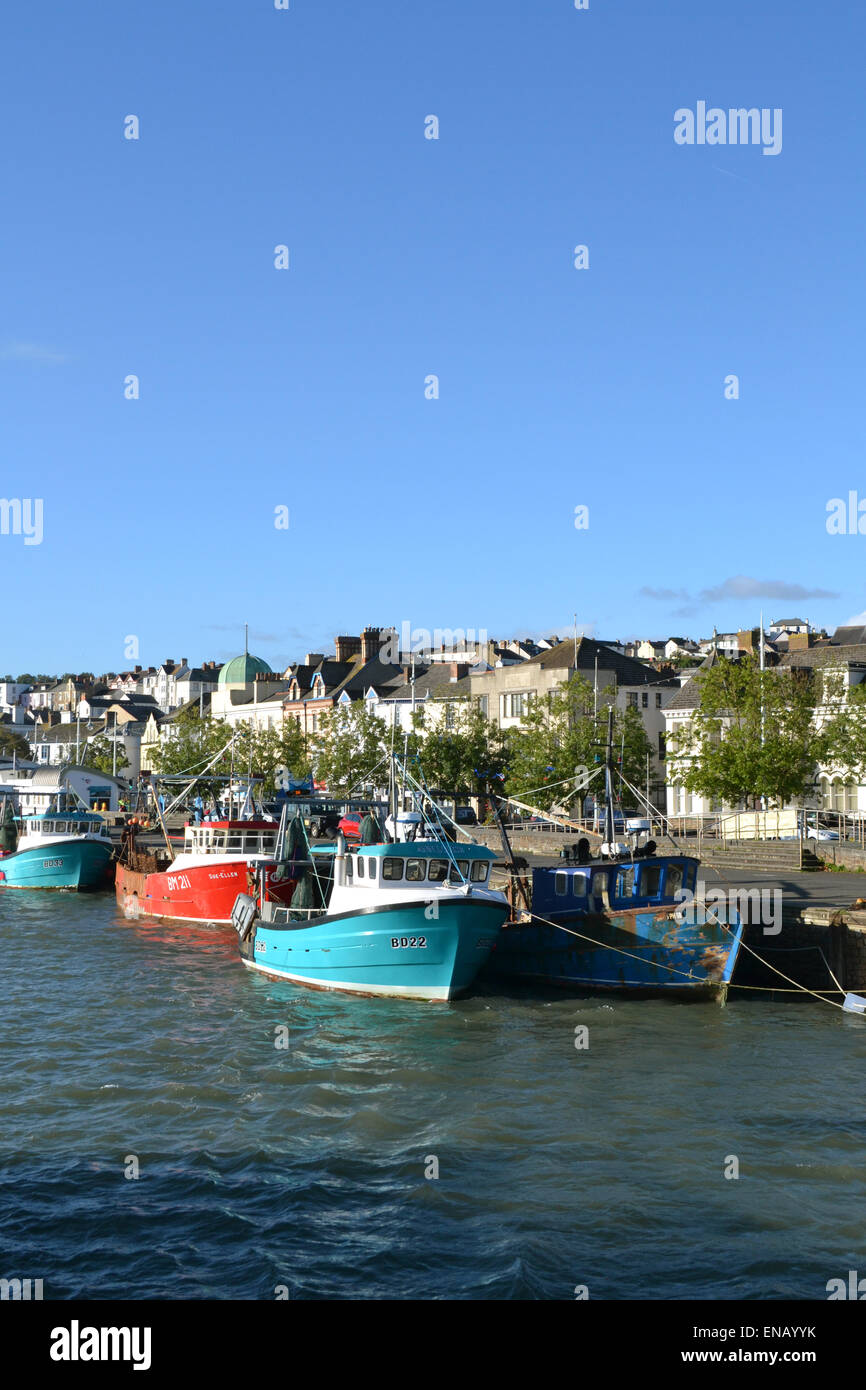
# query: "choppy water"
(305, 1166)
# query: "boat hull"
(394, 950)
(640, 952)
(198, 893)
(75, 865)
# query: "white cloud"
(32, 352)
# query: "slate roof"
(627, 670)
(849, 636)
(432, 681)
(689, 695)
(853, 653)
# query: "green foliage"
(193, 741)
(12, 742)
(844, 724)
(462, 754)
(753, 735)
(271, 752)
(98, 753)
(348, 748)
(562, 739)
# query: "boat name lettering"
(399, 941)
(52, 863)
(175, 881)
(261, 946)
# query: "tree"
(272, 752)
(11, 742)
(753, 735)
(99, 753)
(842, 718)
(562, 741)
(464, 754)
(190, 745)
(350, 748)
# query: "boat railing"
(290, 914)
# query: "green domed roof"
(242, 670)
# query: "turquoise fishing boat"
(59, 849)
(414, 920)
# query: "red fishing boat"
(219, 859)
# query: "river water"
(308, 1170)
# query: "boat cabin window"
(599, 889)
(578, 884)
(437, 871)
(560, 883)
(371, 868)
(459, 872)
(625, 881)
(479, 870)
(673, 879)
(392, 869)
(416, 870)
(360, 867)
(350, 865)
(650, 880)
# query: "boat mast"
(608, 784)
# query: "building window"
(662, 749)
(516, 704)
(631, 697)
(658, 699)
(644, 699)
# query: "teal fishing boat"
(58, 849)
(412, 920)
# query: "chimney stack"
(346, 648)
(370, 643)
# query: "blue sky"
(411, 257)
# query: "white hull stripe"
(398, 991)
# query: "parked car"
(350, 826)
(820, 832)
(812, 828)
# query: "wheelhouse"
(63, 823)
(613, 887)
(231, 837)
(413, 862)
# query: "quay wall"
(847, 856)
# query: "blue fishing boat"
(635, 926)
(415, 920)
(633, 921)
(60, 848)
